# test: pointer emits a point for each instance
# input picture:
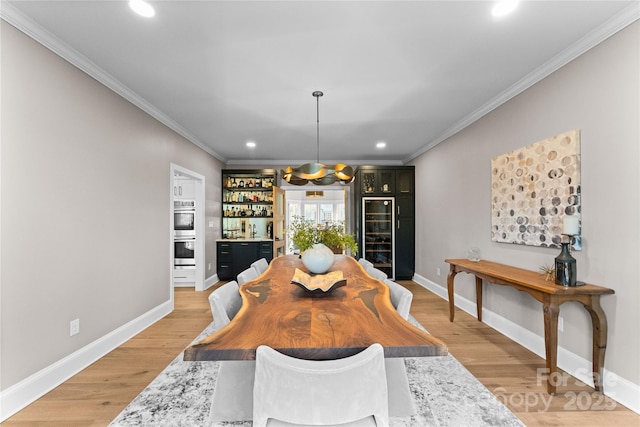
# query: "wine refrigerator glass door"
(378, 237)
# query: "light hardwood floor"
(97, 394)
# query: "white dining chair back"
(376, 273)
(260, 265)
(247, 275)
(401, 297)
(365, 263)
(320, 392)
(225, 303)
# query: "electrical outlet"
(74, 327)
(560, 323)
(438, 271)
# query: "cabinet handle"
(175, 190)
(224, 266)
(398, 224)
(180, 190)
(398, 209)
(244, 244)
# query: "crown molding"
(16, 18)
(284, 163)
(13, 16)
(626, 17)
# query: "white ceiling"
(409, 73)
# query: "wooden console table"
(551, 296)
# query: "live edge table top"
(345, 321)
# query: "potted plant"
(304, 234)
(317, 242)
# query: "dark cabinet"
(405, 236)
(377, 184)
(225, 261)
(405, 181)
(235, 257)
(265, 251)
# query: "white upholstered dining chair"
(260, 265)
(401, 297)
(376, 273)
(351, 391)
(225, 303)
(365, 263)
(247, 275)
(235, 378)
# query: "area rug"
(445, 393)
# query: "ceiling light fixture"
(381, 145)
(315, 194)
(251, 144)
(318, 173)
(504, 7)
(142, 8)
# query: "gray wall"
(597, 93)
(85, 207)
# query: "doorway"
(187, 195)
(331, 204)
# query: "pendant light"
(318, 173)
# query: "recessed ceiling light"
(251, 144)
(504, 7)
(142, 8)
(381, 144)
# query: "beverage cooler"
(378, 233)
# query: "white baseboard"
(19, 395)
(617, 388)
(210, 281)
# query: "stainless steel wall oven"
(184, 253)
(184, 218)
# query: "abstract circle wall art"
(533, 188)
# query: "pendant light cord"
(317, 94)
(318, 128)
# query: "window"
(328, 209)
(326, 213)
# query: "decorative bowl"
(319, 283)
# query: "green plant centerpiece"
(318, 242)
(305, 233)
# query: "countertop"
(244, 239)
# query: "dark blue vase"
(565, 267)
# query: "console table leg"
(599, 326)
(479, 297)
(450, 277)
(551, 311)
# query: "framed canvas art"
(533, 188)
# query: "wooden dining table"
(315, 326)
